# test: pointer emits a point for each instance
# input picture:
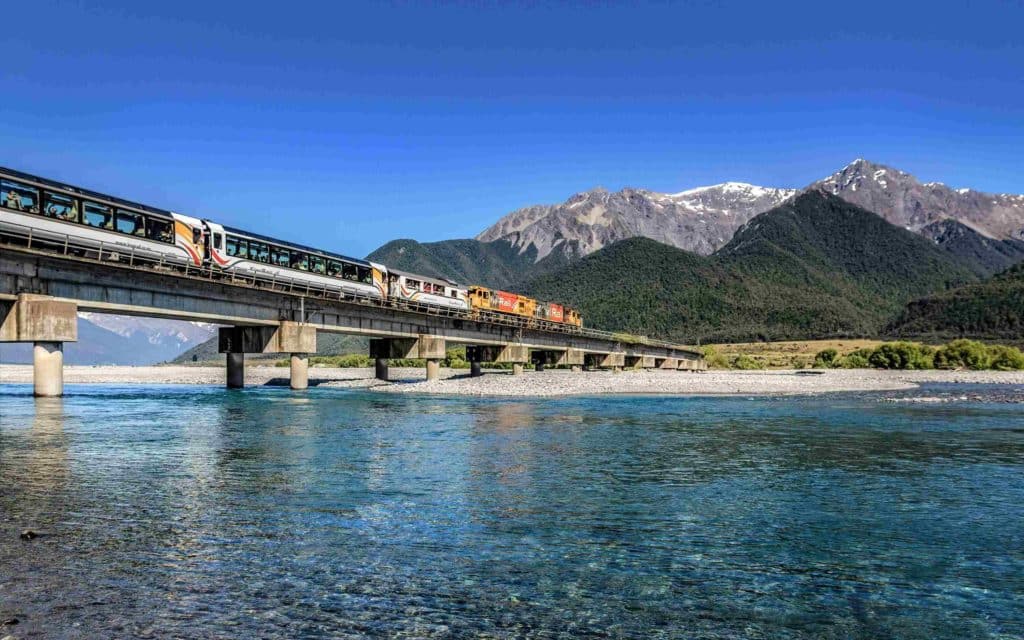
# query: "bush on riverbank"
(959, 354)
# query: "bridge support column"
(46, 323)
(299, 378)
(517, 354)
(606, 360)
(669, 363)
(380, 368)
(538, 367)
(236, 370)
(429, 348)
(48, 369)
(475, 369)
(640, 362)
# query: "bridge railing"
(69, 246)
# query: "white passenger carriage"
(83, 221)
(255, 256)
(425, 290)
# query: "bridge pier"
(475, 369)
(429, 348)
(516, 354)
(235, 363)
(47, 323)
(640, 362)
(380, 368)
(299, 371)
(293, 338)
(669, 363)
(613, 360)
(48, 369)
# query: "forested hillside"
(495, 264)
(993, 309)
(816, 266)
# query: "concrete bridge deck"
(41, 285)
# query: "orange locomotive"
(484, 299)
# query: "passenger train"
(122, 230)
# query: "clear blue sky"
(346, 125)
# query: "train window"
(454, 293)
(130, 223)
(19, 196)
(349, 272)
(364, 275)
(243, 248)
(300, 261)
(97, 215)
(60, 207)
(413, 285)
(259, 251)
(279, 257)
(159, 230)
(316, 264)
(231, 247)
(216, 240)
(333, 268)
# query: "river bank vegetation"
(865, 354)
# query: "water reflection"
(190, 512)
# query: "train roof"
(295, 245)
(87, 193)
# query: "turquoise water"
(188, 512)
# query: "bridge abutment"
(47, 323)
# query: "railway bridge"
(44, 284)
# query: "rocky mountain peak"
(905, 201)
(699, 220)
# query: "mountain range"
(704, 219)
(815, 266)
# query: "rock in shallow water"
(28, 534)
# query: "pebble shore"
(540, 384)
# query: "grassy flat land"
(796, 354)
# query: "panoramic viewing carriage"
(85, 222)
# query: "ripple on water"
(190, 512)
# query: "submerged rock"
(29, 534)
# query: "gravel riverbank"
(547, 383)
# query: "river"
(176, 511)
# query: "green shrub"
(858, 359)
(743, 361)
(902, 355)
(963, 354)
(1005, 358)
(825, 358)
(715, 359)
